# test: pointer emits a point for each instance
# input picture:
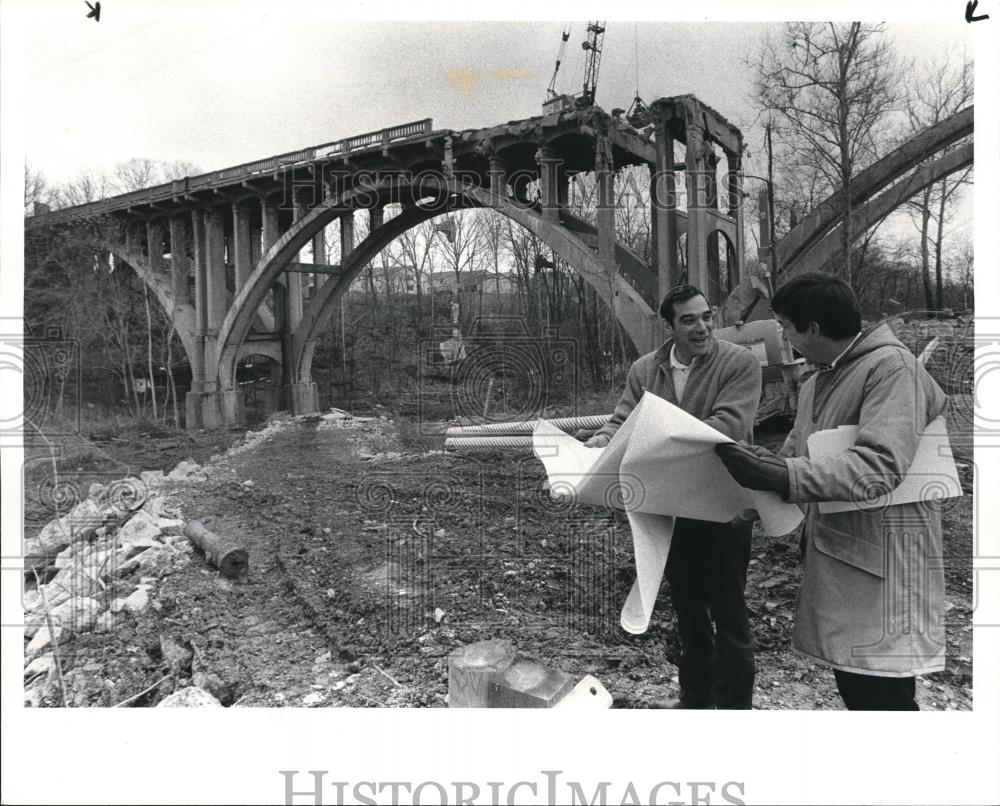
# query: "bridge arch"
(795, 250)
(636, 316)
(182, 314)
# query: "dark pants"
(867, 692)
(707, 572)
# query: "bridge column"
(734, 203)
(201, 407)
(604, 169)
(548, 180)
(695, 175)
(180, 265)
(663, 197)
(241, 246)
(300, 398)
(498, 176)
(154, 247)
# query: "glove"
(754, 467)
(745, 517)
(597, 441)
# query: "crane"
(593, 45)
(562, 50)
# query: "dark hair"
(822, 298)
(679, 293)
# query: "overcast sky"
(221, 83)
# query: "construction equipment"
(593, 45)
(551, 93)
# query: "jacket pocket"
(855, 538)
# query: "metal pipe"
(487, 443)
(568, 424)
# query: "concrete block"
(527, 684)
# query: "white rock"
(439, 614)
(137, 601)
(313, 699)
(151, 478)
(75, 616)
(117, 605)
(81, 522)
(133, 547)
(248, 483)
(107, 620)
(190, 697)
(40, 665)
(140, 525)
(170, 526)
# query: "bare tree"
(933, 94)
(828, 89)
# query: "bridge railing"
(180, 187)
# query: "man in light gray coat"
(719, 383)
(871, 603)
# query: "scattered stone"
(140, 525)
(330, 593)
(177, 654)
(170, 526)
(190, 697)
(133, 547)
(71, 617)
(439, 615)
(314, 699)
(43, 664)
(80, 523)
(152, 479)
(107, 620)
(248, 483)
(137, 601)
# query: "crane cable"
(635, 45)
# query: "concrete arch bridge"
(222, 251)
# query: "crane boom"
(593, 45)
(562, 50)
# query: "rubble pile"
(94, 566)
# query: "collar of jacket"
(662, 354)
(871, 338)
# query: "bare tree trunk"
(149, 349)
(938, 269)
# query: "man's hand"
(743, 518)
(597, 441)
(754, 467)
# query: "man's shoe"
(677, 704)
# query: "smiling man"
(719, 383)
(871, 602)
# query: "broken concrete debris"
(488, 674)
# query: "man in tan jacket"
(871, 602)
(719, 383)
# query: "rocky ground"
(372, 555)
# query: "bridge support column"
(180, 265)
(241, 246)
(548, 179)
(663, 196)
(498, 176)
(696, 176)
(154, 245)
(604, 169)
(206, 405)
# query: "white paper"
(660, 464)
(932, 475)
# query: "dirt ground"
(373, 554)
